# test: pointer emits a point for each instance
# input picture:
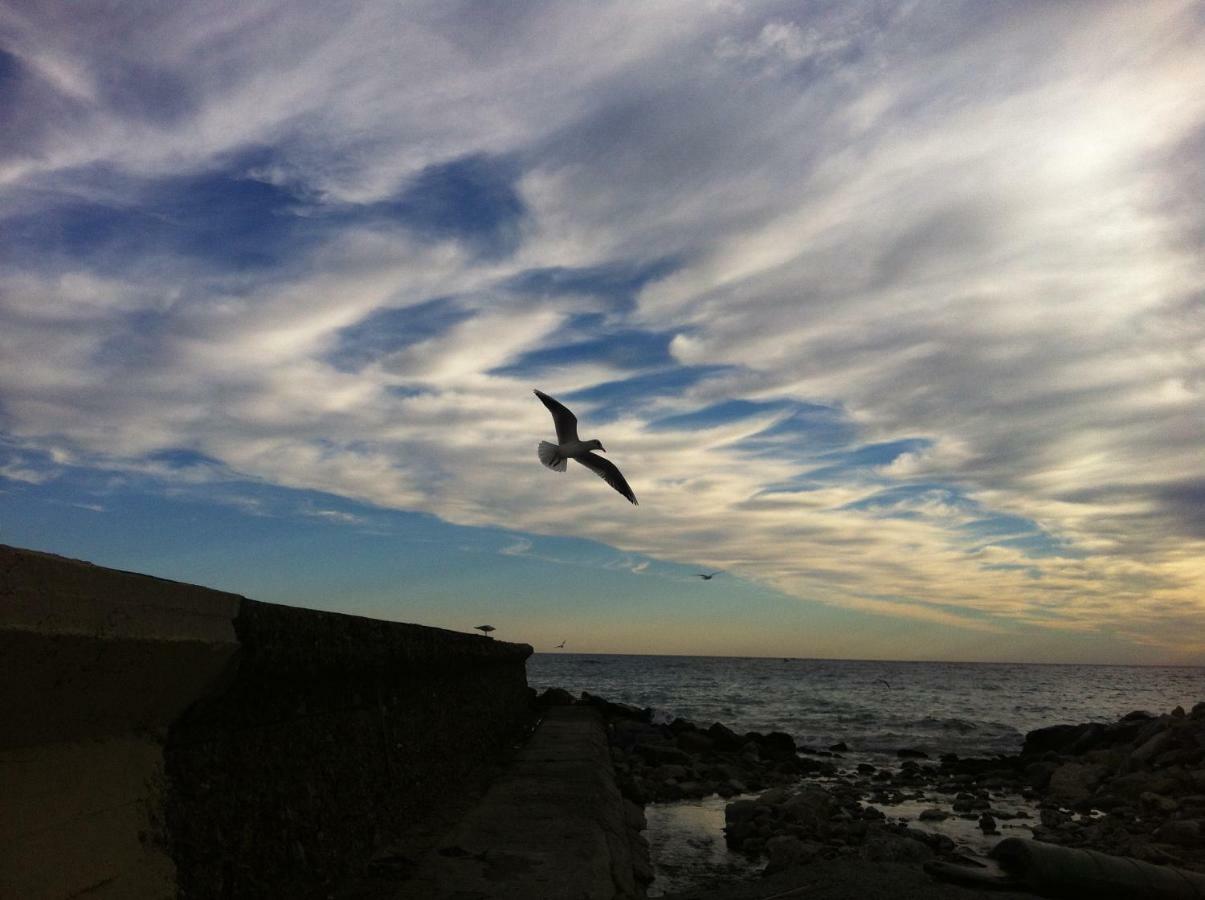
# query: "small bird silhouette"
(485, 629)
(569, 446)
(707, 577)
(561, 645)
(883, 681)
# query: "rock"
(554, 696)
(724, 737)
(1158, 803)
(1053, 738)
(888, 847)
(694, 742)
(1152, 747)
(629, 734)
(839, 747)
(1073, 782)
(778, 745)
(987, 824)
(1184, 832)
(740, 811)
(866, 769)
(1178, 712)
(786, 851)
(911, 753)
(774, 797)
(812, 807)
(1134, 784)
(933, 814)
(670, 772)
(657, 754)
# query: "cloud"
(893, 307)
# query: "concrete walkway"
(551, 828)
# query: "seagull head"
(596, 444)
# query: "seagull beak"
(602, 449)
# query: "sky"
(891, 312)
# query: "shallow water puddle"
(686, 841)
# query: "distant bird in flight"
(568, 446)
(883, 681)
(485, 629)
(561, 645)
(707, 577)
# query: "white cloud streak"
(955, 223)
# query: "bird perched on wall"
(485, 629)
(569, 446)
(707, 577)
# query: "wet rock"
(911, 753)
(933, 814)
(839, 747)
(987, 824)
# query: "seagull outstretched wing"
(565, 421)
(609, 473)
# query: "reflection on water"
(686, 839)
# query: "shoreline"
(1134, 787)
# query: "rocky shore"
(1135, 787)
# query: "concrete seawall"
(159, 739)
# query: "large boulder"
(724, 737)
(1055, 738)
(1073, 782)
(785, 851)
(778, 745)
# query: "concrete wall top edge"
(53, 595)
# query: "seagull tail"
(550, 457)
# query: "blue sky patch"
(182, 458)
(616, 283)
(472, 200)
(386, 331)
(719, 414)
(612, 399)
(222, 215)
(626, 349)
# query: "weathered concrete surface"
(336, 736)
(160, 739)
(551, 828)
(94, 666)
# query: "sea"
(874, 707)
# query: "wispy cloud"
(893, 307)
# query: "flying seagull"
(568, 446)
(485, 629)
(884, 682)
(561, 645)
(707, 577)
